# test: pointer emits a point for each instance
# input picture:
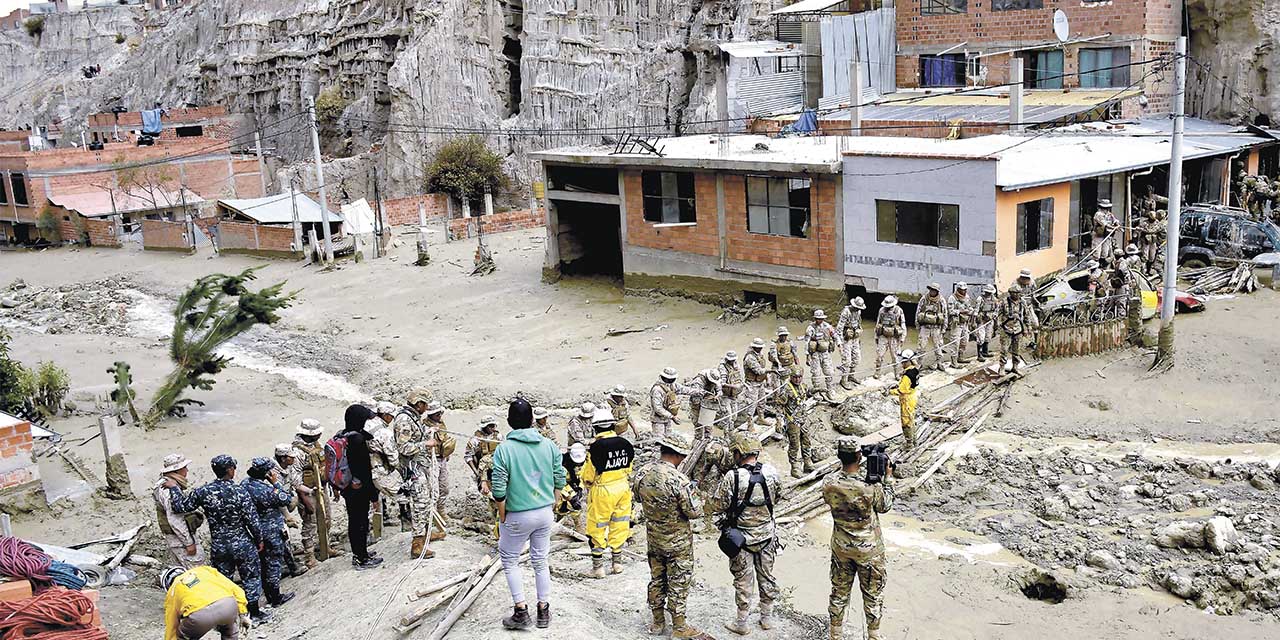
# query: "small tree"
(214, 310)
(123, 394)
(47, 224)
(330, 104)
(34, 26)
(13, 392)
(49, 386)
(465, 168)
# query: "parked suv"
(1211, 233)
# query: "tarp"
(151, 122)
(277, 209)
(357, 218)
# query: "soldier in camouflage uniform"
(1016, 319)
(233, 526)
(579, 429)
(617, 402)
(268, 495)
(479, 458)
(931, 317)
(384, 463)
(669, 506)
(664, 401)
(820, 339)
(731, 392)
(1106, 233)
(857, 550)
(541, 422)
(985, 319)
(849, 338)
(782, 357)
(790, 400)
(755, 370)
(1151, 235)
(314, 506)
(415, 443)
(960, 315)
(749, 491)
(891, 330)
(180, 530)
(290, 472)
(445, 445)
(706, 403)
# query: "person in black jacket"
(362, 492)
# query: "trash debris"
(742, 311)
(1221, 280)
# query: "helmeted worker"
(179, 529)
(669, 505)
(415, 442)
(541, 422)
(985, 319)
(580, 425)
(268, 495)
(1016, 319)
(746, 495)
(731, 392)
(479, 458)
(891, 330)
(820, 340)
(664, 401)
(960, 322)
(706, 405)
(755, 370)
(607, 478)
(1152, 236)
(849, 336)
(445, 445)
(782, 357)
(857, 548)
(931, 317)
(790, 401)
(617, 403)
(199, 600)
(314, 506)
(908, 392)
(1106, 228)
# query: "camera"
(877, 462)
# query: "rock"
(1179, 502)
(1103, 560)
(1200, 469)
(1236, 574)
(1251, 552)
(1180, 535)
(1261, 482)
(1220, 534)
(387, 354)
(1053, 509)
(1180, 585)
(9, 303)
(1128, 491)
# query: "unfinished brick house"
(194, 122)
(715, 219)
(959, 43)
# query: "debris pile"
(98, 307)
(1221, 280)
(744, 311)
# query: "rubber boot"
(658, 627)
(617, 563)
(275, 598)
(836, 632)
(597, 567)
(681, 630)
(766, 616)
(739, 624)
(519, 619)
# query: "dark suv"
(1211, 233)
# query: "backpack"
(337, 470)
(732, 539)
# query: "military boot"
(658, 627)
(310, 559)
(419, 550)
(739, 624)
(597, 567)
(836, 632)
(766, 616)
(617, 563)
(874, 634)
(437, 535)
(681, 629)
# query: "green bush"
(330, 104)
(465, 168)
(34, 26)
(47, 224)
(13, 392)
(43, 388)
(51, 386)
(120, 38)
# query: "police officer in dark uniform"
(233, 526)
(268, 495)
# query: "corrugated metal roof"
(807, 6)
(762, 49)
(278, 209)
(736, 152)
(99, 204)
(1037, 106)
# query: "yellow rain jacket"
(607, 476)
(195, 589)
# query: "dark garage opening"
(590, 239)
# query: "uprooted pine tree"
(215, 309)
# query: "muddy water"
(1240, 453)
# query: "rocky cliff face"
(525, 74)
(1233, 44)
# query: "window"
(1035, 225)
(788, 64)
(668, 197)
(1016, 5)
(19, 184)
(943, 7)
(924, 223)
(944, 70)
(4, 193)
(1192, 226)
(1042, 69)
(1104, 68)
(193, 131)
(778, 206)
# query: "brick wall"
(814, 252)
(101, 231)
(17, 466)
(162, 235)
(259, 239)
(702, 238)
(405, 210)
(496, 223)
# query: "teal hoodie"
(527, 471)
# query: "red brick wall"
(890, 128)
(405, 210)
(162, 235)
(814, 252)
(496, 223)
(702, 238)
(243, 237)
(101, 231)
(16, 464)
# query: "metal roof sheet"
(762, 49)
(815, 154)
(99, 204)
(278, 209)
(807, 6)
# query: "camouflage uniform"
(849, 334)
(664, 403)
(960, 315)
(891, 330)
(580, 430)
(544, 429)
(179, 530)
(445, 445)
(1152, 238)
(621, 415)
(669, 505)
(755, 563)
(731, 397)
(931, 317)
(312, 470)
(418, 467)
(800, 452)
(384, 461)
(709, 398)
(985, 319)
(480, 446)
(783, 358)
(820, 337)
(857, 550)
(1105, 230)
(754, 372)
(267, 499)
(1015, 317)
(233, 527)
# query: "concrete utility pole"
(262, 163)
(1015, 94)
(1164, 347)
(324, 201)
(855, 97)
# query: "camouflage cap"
(221, 463)
(587, 410)
(677, 442)
(730, 356)
(488, 420)
(783, 331)
(309, 427)
(858, 303)
(285, 449)
(173, 462)
(618, 391)
(434, 408)
(848, 444)
(668, 373)
(418, 395)
(385, 408)
(744, 443)
(261, 465)
(540, 413)
(757, 343)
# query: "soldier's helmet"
(744, 443)
(677, 442)
(848, 444)
(1014, 291)
(602, 419)
(418, 395)
(797, 374)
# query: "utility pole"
(297, 224)
(262, 163)
(1015, 94)
(324, 201)
(377, 215)
(1164, 345)
(855, 97)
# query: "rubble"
(98, 307)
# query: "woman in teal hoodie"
(527, 475)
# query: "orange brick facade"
(17, 466)
(497, 223)
(701, 238)
(405, 210)
(162, 235)
(240, 237)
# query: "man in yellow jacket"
(908, 392)
(200, 600)
(607, 478)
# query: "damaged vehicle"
(1065, 291)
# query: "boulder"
(1180, 585)
(9, 302)
(1180, 535)
(1103, 560)
(1220, 534)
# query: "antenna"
(1061, 27)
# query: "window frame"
(15, 179)
(1036, 78)
(4, 189)
(942, 208)
(1115, 77)
(788, 64)
(944, 7)
(791, 209)
(960, 62)
(995, 7)
(1044, 225)
(648, 199)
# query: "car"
(1214, 233)
(1066, 290)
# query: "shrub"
(34, 26)
(47, 224)
(330, 104)
(13, 393)
(120, 38)
(465, 168)
(49, 386)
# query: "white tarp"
(872, 37)
(357, 218)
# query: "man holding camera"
(857, 549)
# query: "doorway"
(590, 239)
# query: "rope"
(55, 614)
(65, 575)
(19, 559)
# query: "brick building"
(19, 473)
(194, 122)
(15, 19)
(958, 43)
(716, 219)
(30, 178)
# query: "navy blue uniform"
(267, 499)
(234, 528)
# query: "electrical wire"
(55, 614)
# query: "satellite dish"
(1061, 27)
